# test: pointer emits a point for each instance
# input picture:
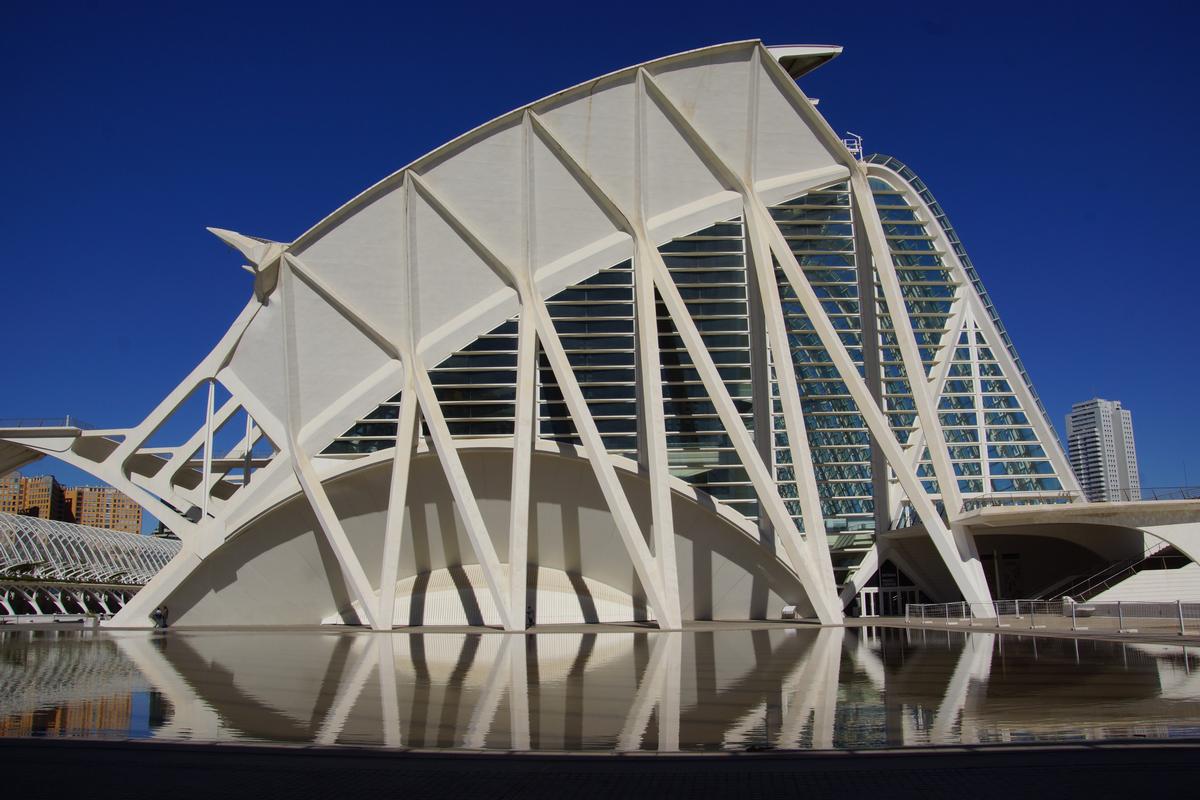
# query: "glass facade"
(918, 186)
(995, 452)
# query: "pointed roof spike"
(257, 250)
(263, 255)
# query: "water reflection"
(702, 690)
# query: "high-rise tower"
(1100, 441)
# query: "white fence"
(88, 620)
(1115, 617)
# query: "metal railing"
(66, 421)
(1159, 493)
(88, 620)
(854, 143)
(1121, 616)
(1005, 499)
(1113, 574)
(1139, 494)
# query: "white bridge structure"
(657, 347)
(51, 567)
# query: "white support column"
(447, 453)
(777, 337)
(969, 580)
(977, 385)
(802, 550)
(818, 584)
(937, 384)
(823, 600)
(162, 481)
(524, 441)
(630, 221)
(248, 451)
(585, 425)
(653, 427)
(109, 471)
(963, 545)
(964, 578)
(652, 424)
(310, 482)
(789, 395)
(648, 572)
(894, 552)
(667, 610)
(406, 432)
(331, 526)
(524, 415)
(206, 471)
(945, 356)
(866, 568)
(406, 442)
(136, 612)
(464, 496)
(914, 368)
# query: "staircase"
(1156, 586)
(1160, 556)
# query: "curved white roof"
(48, 550)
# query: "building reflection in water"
(774, 687)
(67, 683)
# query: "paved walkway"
(152, 770)
(1157, 631)
(1147, 631)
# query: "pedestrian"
(156, 617)
(163, 609)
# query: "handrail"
(1005, 499)
(1001, 614)
(1080, 589)
(1112, 580)
(66, 421)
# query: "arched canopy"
(48, 550)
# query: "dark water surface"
(700, 690)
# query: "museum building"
(662, 346)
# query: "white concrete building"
(659, 347)
(1103, 456)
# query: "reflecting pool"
(777, 687)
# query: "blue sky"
(1057, 136)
